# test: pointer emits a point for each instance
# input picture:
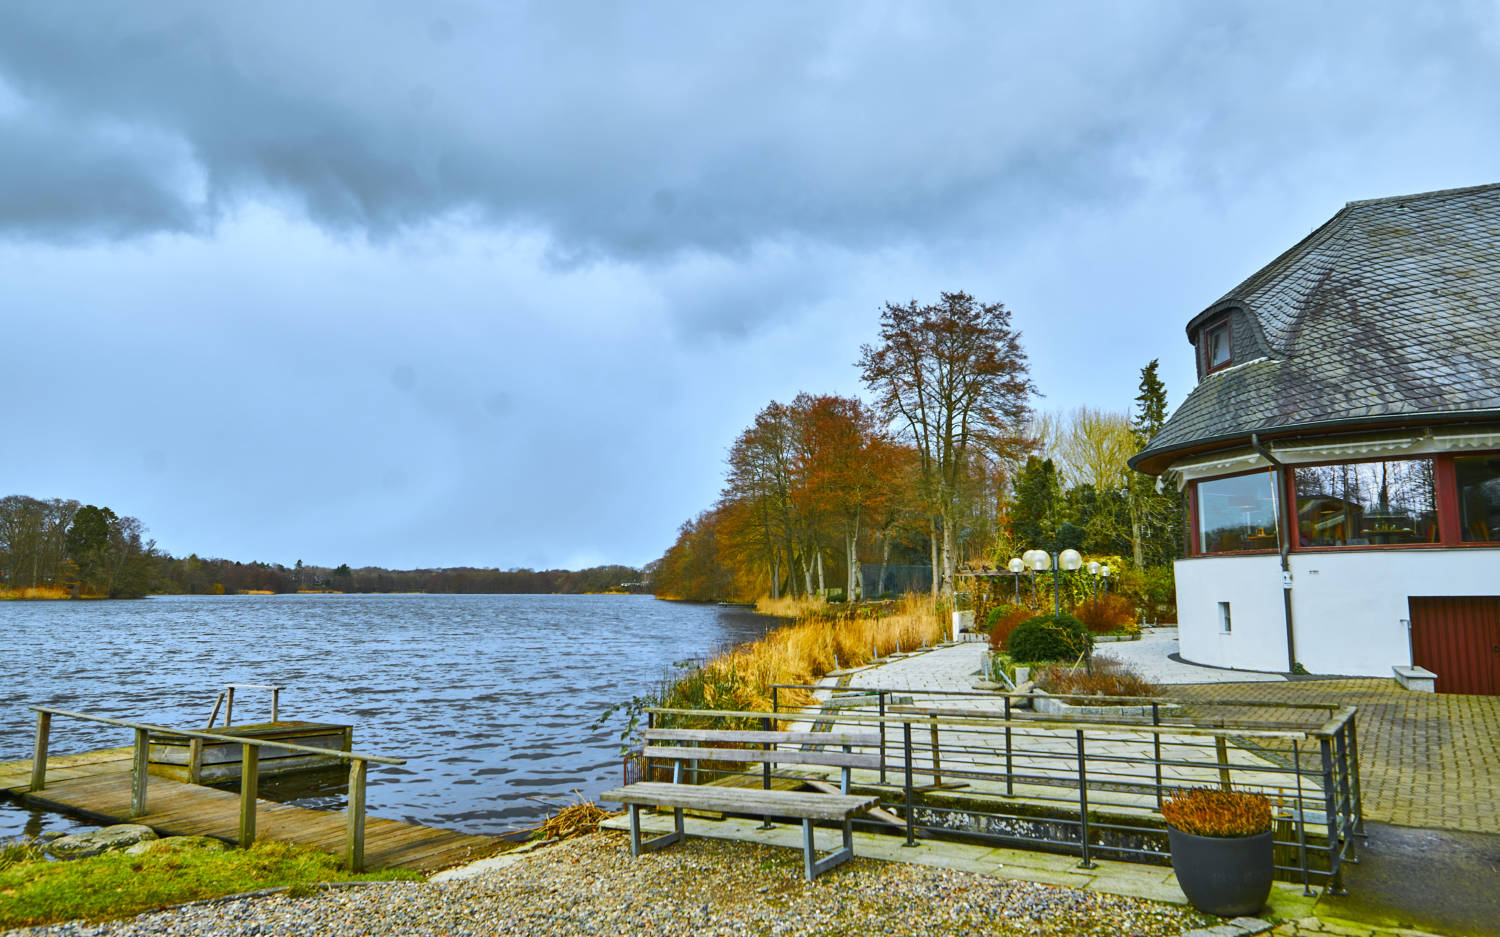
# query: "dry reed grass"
(789, 606)
(36, 592)
(574, 820)
(800, 653)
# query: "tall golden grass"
(36, 592)
(820, 641)
(789, 606)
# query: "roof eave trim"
(1154, 461)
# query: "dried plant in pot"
(1221, 848)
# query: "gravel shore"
(590, 885)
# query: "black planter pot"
(1227, 877)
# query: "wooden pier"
(112, 786)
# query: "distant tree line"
(196, 576)
(61, 546)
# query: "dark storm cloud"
(637, 132)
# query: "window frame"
(1221, 323)
(1453, 505)
(1197, 535)
(1438, 473)
(1445, 492)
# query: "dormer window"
(1216, 347)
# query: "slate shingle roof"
(1390, 309)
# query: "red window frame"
(1208, 331)
(1195, 541)
(1445, 495)
(1445, 521)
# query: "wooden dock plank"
(98, 786)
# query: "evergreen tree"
(1155, 516)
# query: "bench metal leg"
(637, 846)
(815, 867)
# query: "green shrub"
(1048, 637)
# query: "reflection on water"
(492, 698)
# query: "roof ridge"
(1435, 193)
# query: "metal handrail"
(354, 838)
(1042, 760)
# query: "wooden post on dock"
(354, 831)
(138, 774)
(39, 751)
(249, 785)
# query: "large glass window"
(1478, 479)
(1366, 503)
(1237, 513)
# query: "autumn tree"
(759, 482)
(845, 471)
(953, 377)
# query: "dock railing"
(1092, 784)
(354, 835)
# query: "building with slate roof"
(1341, 451)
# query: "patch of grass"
(34, 891)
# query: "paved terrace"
(1044, 760)
(1426, 759)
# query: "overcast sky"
(433, 284)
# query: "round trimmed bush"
(1048, 637)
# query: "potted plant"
(1221, 848)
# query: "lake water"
(492, 698)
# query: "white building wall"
(1347, 606)
(1252, 587)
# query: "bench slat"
(855, 739)
(813, 806)
(775, 756)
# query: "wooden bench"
(695, 745)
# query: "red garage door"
(1458, 638)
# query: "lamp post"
(1041, 561)
(1098, 573)
(1015, 566)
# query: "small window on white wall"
(1224, 622)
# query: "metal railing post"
(881, 694)
(39, 751)
(1301, 822)
(1331, 817)
(1010, 775)
(911, 830)
(276, 704)
(1083, 805)
(1346, 797)
(1359, 804)
(249, 788)
(937, 766)
(138, 772)
(1156, 750)
(354, 826)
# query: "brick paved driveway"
(1425, 759)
